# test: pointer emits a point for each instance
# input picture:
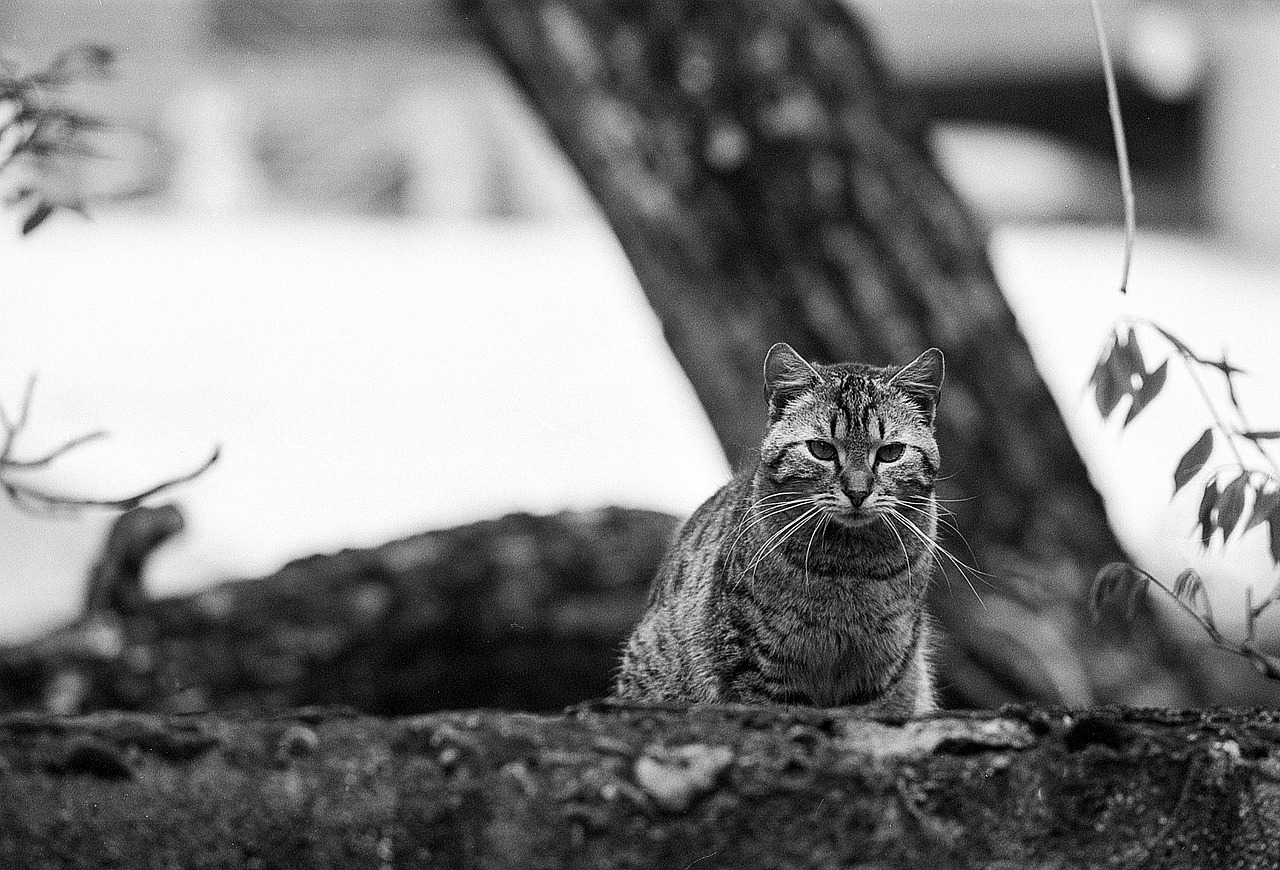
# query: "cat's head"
(856, 438)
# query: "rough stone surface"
(763, 787)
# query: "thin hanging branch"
(1122, 148)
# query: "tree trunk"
(523, 612)
(623, 787)
(767, 186)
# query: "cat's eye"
(824, 450)
(889, 453)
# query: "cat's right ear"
(786, 373)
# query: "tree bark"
(523, 612)
(625, 786)
(767, 185)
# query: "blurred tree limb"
(525, 612)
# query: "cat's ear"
(921, 380)
(785, 374)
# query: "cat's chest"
(828, 670)
(833, 648)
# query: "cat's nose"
(856, 486)
(856, 496)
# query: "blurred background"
(330, 236)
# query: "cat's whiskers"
(967, 571)
(785, 493)
(940, 500)
(925, 504)
(938, 550)
(940, 515)
(816, 530)
(946, 522)
(903, 544)
(753, 517)
(780, 537)
(793, 528)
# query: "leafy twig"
(1123, 582)
(37, 129)
(1120, 373)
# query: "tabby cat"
(802, 581)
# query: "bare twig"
(26, 495)
(13, 427)
(49, 457)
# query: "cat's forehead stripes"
(855, 407)
(841, 422)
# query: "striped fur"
(802, 581)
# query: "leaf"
(1261, 434)
(1264, 505)
(81, 61)
(20, 194)
(1274, 523)
(1107, 392)
(1231, 505)
(1186, 582)
(1190, 590)
(38, 216)
(1267, 665)
(1207, 502)
(1124, 364)
(1117, 582)
(1152, 383)
(1131, 353)
(1192, 462)
(99, 58)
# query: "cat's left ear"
(921, 379)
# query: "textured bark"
(615, 787)
(766, 186)
(523, 612)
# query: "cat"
(802, 581)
